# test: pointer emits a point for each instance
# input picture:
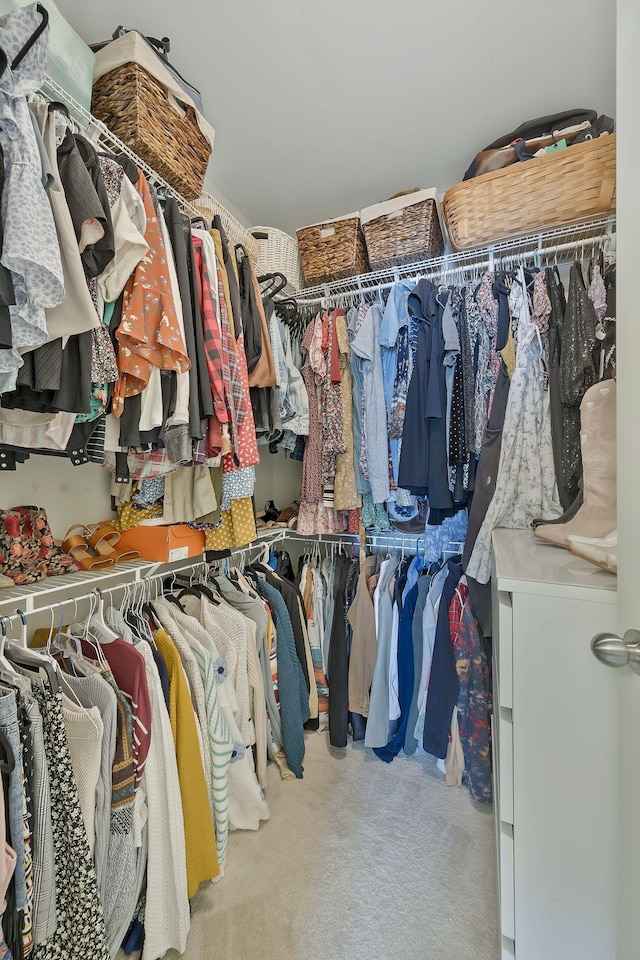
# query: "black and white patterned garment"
(80, 931)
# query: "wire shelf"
(559, 243)
(97, 131)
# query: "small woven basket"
(332, 250)
(279, 253)
(565, 187)
(403, 229)
(139, 110)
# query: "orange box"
(176, 541)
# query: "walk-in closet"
(319, 622)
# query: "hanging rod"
(546, 244)
(98, 131)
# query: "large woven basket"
(403, 229)
(564, 187)
(332, 250)
(137, 108)
(279, 253)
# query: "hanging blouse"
(30, 245)
(149, 335)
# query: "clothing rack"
(98, 132)
(81, 585)
(555, 246)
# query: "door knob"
(613, 651)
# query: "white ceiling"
(322, 108)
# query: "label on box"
(178, 553)
(327, 232)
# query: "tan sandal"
(76, 547)
(103, 538)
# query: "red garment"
(455, 610)
(246, 448)
(212, 335)
(130, 673)
(237, 403)
(148, 335)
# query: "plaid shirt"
(455, 611)
(233, 384)
(212, 335)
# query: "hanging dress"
(526, 486)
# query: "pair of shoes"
(272, 517)
(28, 552)
(596, 520)
(417, 524)
(94, 548)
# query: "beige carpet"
(360, 861)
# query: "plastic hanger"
(8, 761)
(3, 649)
(106, 634)
(37, 33)
(24, 640)
(277, 282)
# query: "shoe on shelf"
(103, 537)
(596, 518)
(76, 546)
(417, 524)
(28, 552)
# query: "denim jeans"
(11, 730)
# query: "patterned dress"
(80, 930)
(526, 486)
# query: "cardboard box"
(164, 543)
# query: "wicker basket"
(332, 250)
(279, 254)
(403, 229)
(564, 187)
(137, 109)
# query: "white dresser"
(554, 750)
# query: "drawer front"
(503, 647)
(505, 764)
(507, 889)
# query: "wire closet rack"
(556, 246)
(206, 204)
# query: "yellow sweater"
(199, 836)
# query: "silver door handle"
(613, 651)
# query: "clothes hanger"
(8, 761)
(37, 33)
(85, 633)
(3, 649)
(277, 282)
(106, 634)
(3, 62)
(23, 630)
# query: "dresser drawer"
(503, 647)
(507, 887)
(505, 763)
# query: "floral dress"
(526, 486)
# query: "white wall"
(69, 494)
(81, 494)
(323, 108)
